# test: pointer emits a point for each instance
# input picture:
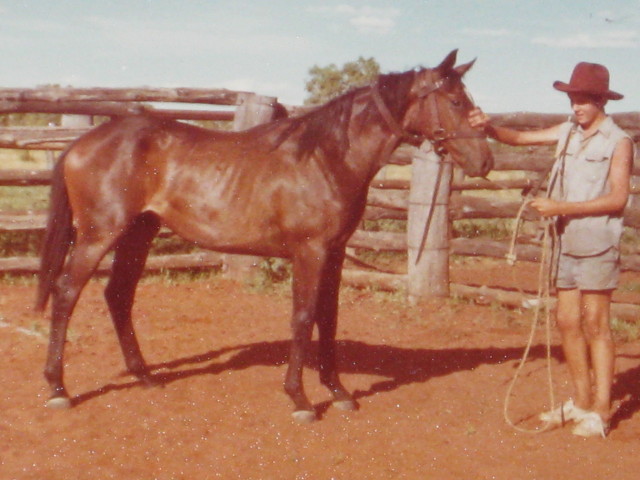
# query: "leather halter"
(437, 136)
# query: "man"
(589, 188)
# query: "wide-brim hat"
(590, 78)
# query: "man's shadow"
(399, 366)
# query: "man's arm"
(545, 136)
(612, 202)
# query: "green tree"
(330, 81)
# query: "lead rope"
(542, 303)
(546, 272)
(432, 207)
(438, 148)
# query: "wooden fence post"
(428, 276)
(253, 110)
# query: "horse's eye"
(456, 103)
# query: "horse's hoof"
(59, 403)
(304, 417)
(345, 405)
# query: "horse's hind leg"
(131, 252)
(83, 259)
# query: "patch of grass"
(24, 198)
(18, 279)
(30, 119)
(386, 260)
(169, 245)
(272, 274)
(28, 242)
(630, 242)
(499, 229)
(630, 287)
(624, 330)
(398, 297)
(28, 159)
(20, 243)
(386, 225)
(37, 328)
(177, 277)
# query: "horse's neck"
(371, 141)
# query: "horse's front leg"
(307, 272)
(327, 321)
(302, 326)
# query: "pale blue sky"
(268, 46)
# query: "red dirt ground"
(430, 380)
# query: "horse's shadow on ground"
(626, 389)
(398, 366)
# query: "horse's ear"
(462, 69)
(448, 63)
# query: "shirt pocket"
(596, 169)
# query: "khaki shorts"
(595, 272)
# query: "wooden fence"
(388, 197)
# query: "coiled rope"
(546, 272)
(541, 305)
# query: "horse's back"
(112, 170)
(132, 152)
(132, 137)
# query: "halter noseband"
(437, 136)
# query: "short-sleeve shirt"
(582, 174)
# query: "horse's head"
(436, 110)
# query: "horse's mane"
(394, 89)
(324, 130)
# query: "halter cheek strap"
(391, 122)
(437, 136)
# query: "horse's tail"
(59, 236)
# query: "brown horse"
(294, 188)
